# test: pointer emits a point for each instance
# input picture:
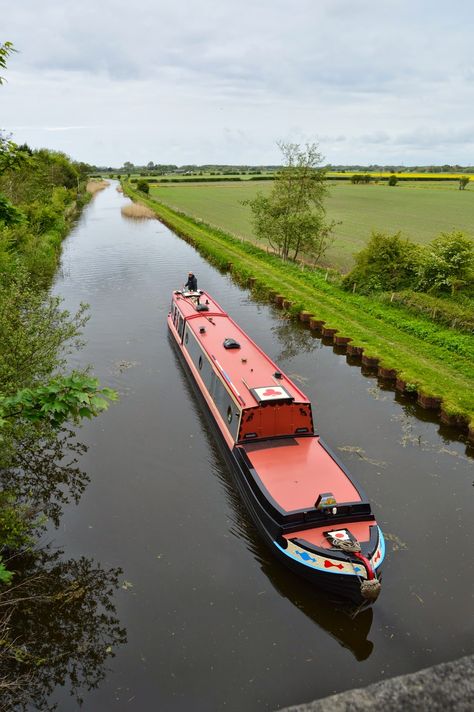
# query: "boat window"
(229, 415)
(186, 338)
(180, 326)
(200, 362)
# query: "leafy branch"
(63, 399)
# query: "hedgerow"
(458, 315)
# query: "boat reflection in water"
(347, 624)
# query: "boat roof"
(251, 373)
(294, 471)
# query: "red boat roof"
(249, 371)
(294, 471)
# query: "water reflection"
(43, 471)
(58, 626)
(348, 625)
(294, 338)
(57, 618)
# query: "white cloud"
(221, 81)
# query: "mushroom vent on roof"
(202, 307)
(231, 344)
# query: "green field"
(419, 210)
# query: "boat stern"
(338, 559)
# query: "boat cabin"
(254, 398)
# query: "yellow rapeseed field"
(401, 175)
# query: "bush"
(447, 263)
(361, 178)
(143, 186)
(393, 180)
(388, 263)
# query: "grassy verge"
(433, 360)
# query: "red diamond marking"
(340, 535)
(329, 565)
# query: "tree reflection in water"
(41, 470)
(58, 623)
(294, 339)
(58, 626)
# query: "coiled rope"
(347, 545)
(369, 587)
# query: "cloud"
(109, 82)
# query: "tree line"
(57, 619)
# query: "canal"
(212, 621)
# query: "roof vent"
(202, 307)
(231, 344)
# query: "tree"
(37, 399)
(463, 182)
(9, 215)
(11, 155)
(144, 186)
(393, 180)
(447, 263)
(6, 49)
(292, 217)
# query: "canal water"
(213, 621)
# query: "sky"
(222, 81)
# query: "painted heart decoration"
(271, 392)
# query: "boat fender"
(370, 588)
(231, 344)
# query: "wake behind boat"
(305, 504)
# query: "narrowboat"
(305, 504)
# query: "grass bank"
(426, 358)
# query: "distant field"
(192, 177)
(419, 210)
(332, 175)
